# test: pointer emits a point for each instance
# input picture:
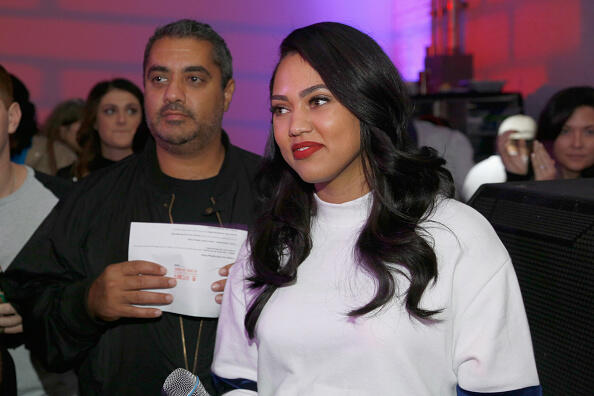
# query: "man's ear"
(14, 117)
(228, 93)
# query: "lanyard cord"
(181, 321)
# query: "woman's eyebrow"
(302, 94)
(311, 89)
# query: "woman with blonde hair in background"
(55, 147)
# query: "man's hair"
(6, 94)
(187, 28)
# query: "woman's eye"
(109, 111)
(564, 131)
(278, 110)
(132, 110)
(319, 101)
(590, 132)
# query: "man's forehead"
(175, 50)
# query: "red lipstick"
(304, 149)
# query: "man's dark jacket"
(88, 230)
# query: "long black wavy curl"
(404, 181)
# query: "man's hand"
(220, 285)
(515, 158)
(10, 321)
(115, 292)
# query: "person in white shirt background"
(515, 137)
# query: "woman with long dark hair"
(112, 128)
(564, 146)
(362, 276)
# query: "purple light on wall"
(411, 34)
(401, 27)
(373, 18)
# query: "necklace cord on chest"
(181, 321)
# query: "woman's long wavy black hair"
(404, 181)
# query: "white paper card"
(193, 255)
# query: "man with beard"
(73, 283)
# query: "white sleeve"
(492, 347)
(490, 170)
(459, 153)
(236, 356)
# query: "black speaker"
(548, 229)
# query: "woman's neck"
(329, 194)
(568, 174)
(115, 153)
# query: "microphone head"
(182, 383)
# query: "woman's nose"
(121, 117)
(300, 123)
(577, 139)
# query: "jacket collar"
(225, 186)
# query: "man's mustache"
(176, 107)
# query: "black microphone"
(183, 383)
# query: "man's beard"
(192, 140)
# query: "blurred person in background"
(516, 138)
(56, 146)
(20, 140)
(26, 197)
(71, 112)
(564, 146)
(112, 127)
(452, 145)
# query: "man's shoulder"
(113, 173)
(57, 185)
(244, 154)
(108, 183)
(246, 158)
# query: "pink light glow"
(411, 34)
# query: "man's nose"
(175, 92)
